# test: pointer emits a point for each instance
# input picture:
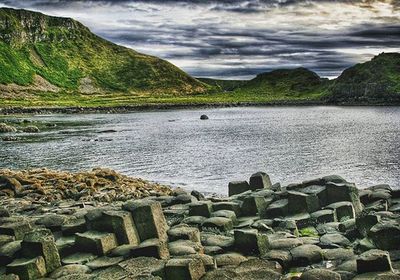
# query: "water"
(175, 147)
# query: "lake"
(291, 144)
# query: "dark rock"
(31, 129)
(201, 208)
(250, 242)
(198, 195)
(260, 180)
(203, 117)
(237, 187)
(184, 269)
(386, 235)
(299, 202)
(318, 273)
(99, 243)
(373, 260)
(276, 209)
(306, 254)
(154, 248)
(27, 269)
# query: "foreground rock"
(319, 229)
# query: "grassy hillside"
(223, 85)
(68, 55)
(376, 81)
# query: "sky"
(238, 39)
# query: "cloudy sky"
(238, 39)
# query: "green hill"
(373, 82)
(40, 52)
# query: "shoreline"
(171, 106)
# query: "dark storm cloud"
(241, 38)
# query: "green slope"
(373, 82)
(67, 54)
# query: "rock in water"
(203, 117)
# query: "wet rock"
(317, 274)
(184, 269)
(27, 269)
(149, 219)
(203, 117)
(250, 242)
(260, 180)
(237, 187)
(373, 260)
(99, 243)
(203, 208)
(70, 269)
(306, 254)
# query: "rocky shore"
(320, 229)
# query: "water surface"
(176, 147)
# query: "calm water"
(175, 147)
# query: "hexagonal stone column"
(338, 192)
(27, 269)
(201, 208)
(260, 180)
(237, 187)
(40, 242)
(249, 241)
(343, 209)
(373, 260)
(148, 218)
(219, 223)
(253, 205)
(300, 202)
(99, 243)
(154, 247)
(15, 228)
(184, 269)
(276, 209)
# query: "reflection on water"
(291, 144)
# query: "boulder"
(202, 208)
(373, 260)
(4, 128)
(237, 187)
(203, 117)
(27, 269)
(149, 219)
(40, 242)
(319, 191)
(318, 273)
(99, 243)
(306, 254)
(260, 180)
(184, 269)
(250, 242)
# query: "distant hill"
(375, 81)
(224, 85)
(44, 53)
